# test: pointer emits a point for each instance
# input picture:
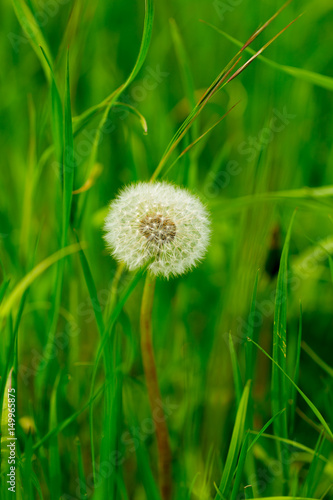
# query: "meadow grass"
(96, 96)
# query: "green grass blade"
(262, 430)
(106, 104)
(60, 427)
(91, 289)
(144, 467)
(196, 141)
(54, 457)
(69, 161)
(295, 444)
(248, 491)
(57, 115)
(324, 366)
(83, 482)
(323, 81)
(3, 288)
(104, 340)
(189, 91)
(249, 351)
(236, 371)
(240, 468)
(34, 34)
(184, 64)
(296, 372)
(235, 445)
(220, 81)
(24, 284)
(80, 123)
(306, 399)
(279, 393)
(317, 467)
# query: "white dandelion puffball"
(157, 221)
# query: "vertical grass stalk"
(148, 359)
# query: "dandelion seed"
(157, 221)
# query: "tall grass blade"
(296, 372)
(236, 371)
(57, 116)
(240, 468)
(249, 352)
(278, 385)
(235, 445)
(304, 396)
(54, 458)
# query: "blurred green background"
(273, 153)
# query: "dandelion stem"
(148, 359)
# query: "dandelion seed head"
(157, 221)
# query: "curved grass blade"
(304, 396)
(65, 423)
(79, 125)
(34, 34)
(135, 112)
(81, 120)
(20, 288)
(107, 104)
(94, 174)
(295, 444)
